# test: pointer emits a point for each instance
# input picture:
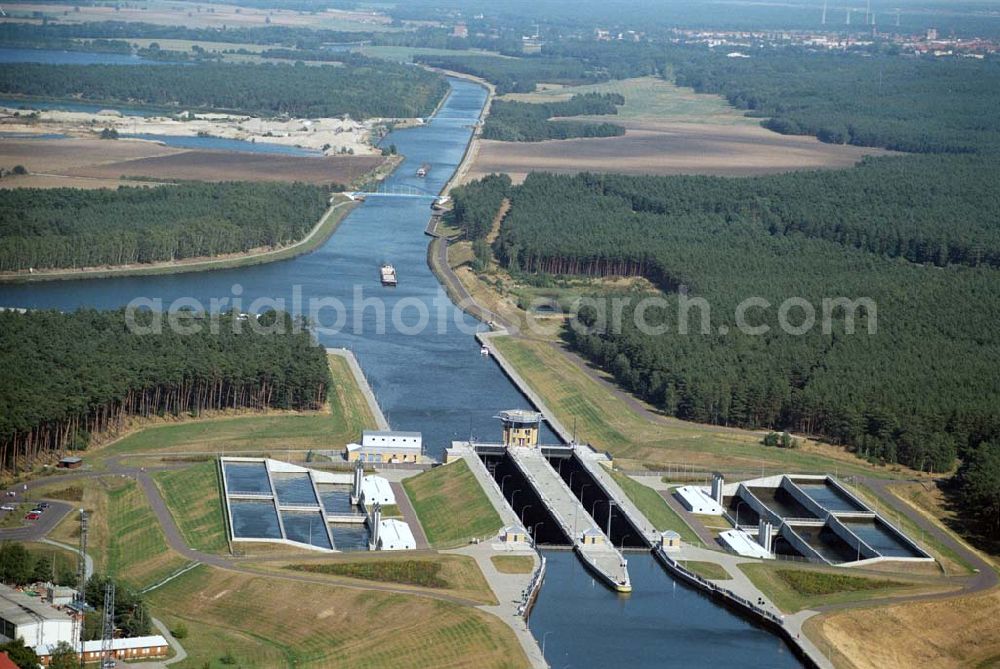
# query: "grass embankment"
(655, 508)
(124, 536)
(283, 435)
(456, 574)
(606, 421)
(513, 564)
(195, 501)
(796, 588)
(451, 506)
(325, 227)
(264, 625)
(709, 570)
(949, 633)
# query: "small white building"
(29, 618)
(514, 534)
(376, 490)
(698, 500)
(386, 446)
(394, 535)
(744, 544)
(670, 540)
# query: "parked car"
(11, 493)
(8, 507)
(44, 505)
(33, 516)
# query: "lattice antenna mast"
(81, 584)
(107, 651)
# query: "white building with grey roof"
(38, 623)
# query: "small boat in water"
(423, 170)
(484, 351)
(388, 275)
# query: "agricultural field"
(451, 506)
(124, 536)
(669, 130)
(255, 622)
(610, 420)
(96, 163)
(655, 508)
(195, 501)
(452, 574)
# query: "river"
(433, 379)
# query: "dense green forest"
(920, 390)
(511, 121)
(71, 376)
(476, 204)
(366, 88)
(69, 227)
(20, 566)
(909, 104)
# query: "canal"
(429, 376)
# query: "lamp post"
(512, 496)
(571, 475)
(623, 542)
(503, 481)
(593, 507)
(526, 507)
(582, 488)
(738, 505)
(534, 531)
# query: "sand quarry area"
(81, 159)
(669, 130)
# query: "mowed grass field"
(195, 501)
(655, 508)
(606, 421)
(124, 536)
(794, 587)
(513, 564)
(266, 624)
(451, 505)
(457, 575)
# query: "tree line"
(366, 88)
(517, 75)
(512, 121)
(71, 377)
(71, 227)
(920, 390)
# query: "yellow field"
(264, 623)
(946, 634)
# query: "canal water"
(431, 378)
